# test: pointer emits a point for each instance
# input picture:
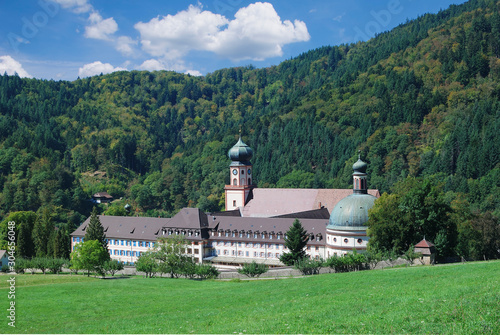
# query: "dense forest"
(422, 100)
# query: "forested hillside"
(420, 100)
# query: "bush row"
(55, 265)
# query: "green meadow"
(458, 299)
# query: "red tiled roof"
(269, 202)
(424, 244)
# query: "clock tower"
(240, 172)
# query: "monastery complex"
(255, 221)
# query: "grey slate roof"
(266, 225)
(127, 227)
(193, 219)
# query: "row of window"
(248, 235)
(249, 245)
(124, 253)
(346, 240)
(247, 253)
(129, 243)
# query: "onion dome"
(359, 166)
(241, 153)
(351, 213)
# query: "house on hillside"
(102, 198)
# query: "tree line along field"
(458, 298)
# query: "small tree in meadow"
(113, 266)
(90, 256)
(55, 264)
(41, 263)
(147, 263)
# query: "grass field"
(459, 299)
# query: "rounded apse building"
(346, 230)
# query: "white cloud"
(11, 66)
(256, 32)
(100, 29)
(195, 73)
(159, 65)
(77, 6)
(152, 65)
(97, 68)
(173, 36)
(125, 45)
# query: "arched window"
(249, 181)
(357, 184)
(235, 182)
(242, 182)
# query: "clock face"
(249, 171)
(235, 172)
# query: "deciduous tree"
(91, 256)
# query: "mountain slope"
(422, 99)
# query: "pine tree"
(42, 232)
(296, 240)
(25, 246)
(95, 230)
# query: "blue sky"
(64, 39)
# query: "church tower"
(359, 177)
(240, 172)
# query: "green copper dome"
(241, 153)
(351, 213)
(359, 166)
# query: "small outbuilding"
(428, 251)
(102, 198)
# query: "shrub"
(349, 262)
(253, 269)
(309, 266)
(207, 271)
(5, 268)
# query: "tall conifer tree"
(95, 230)
(296, 241)
(44, 227)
